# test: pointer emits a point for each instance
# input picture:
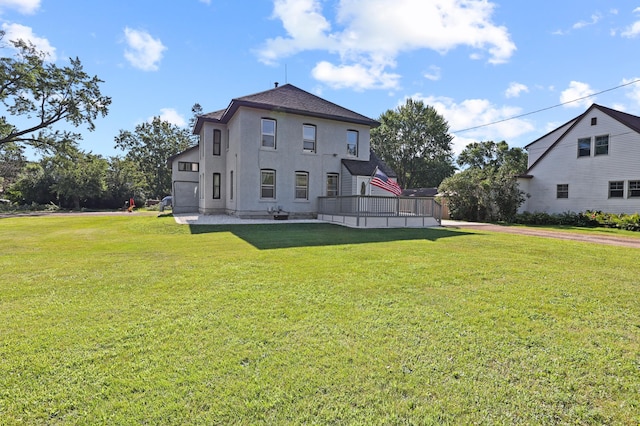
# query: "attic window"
(594, 121)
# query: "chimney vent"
(276, 84)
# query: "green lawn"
(133, 319)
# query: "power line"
(547, 108)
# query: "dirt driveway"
(563, 235)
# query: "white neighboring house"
(589, 163)
(277, 150)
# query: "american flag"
(381, 180)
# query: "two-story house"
(277, 150)
(592, 162)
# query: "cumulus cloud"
(478, 112)
(357, 76)
(632, 30)
(143, 51)
(26, 7)
(372, 33)
(515, 89)
(172, 116)
(16, 32)
(577, 95)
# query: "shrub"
(584, 220)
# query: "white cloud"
(207, 2)
(478, 112)
(595, 18)
(143, 51)
(515, 89)
(172, 116)
(355, 76)
(578, 95)
(633, 89)
(26, 7)
(370, 34)
(16, 32)
(433, 74)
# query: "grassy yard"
(133, 319)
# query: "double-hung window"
(634, 188)
(302, 186)
(352, 143)
(184, 166)
(268, 184)
(216, 186)
(309, 138)
(217, 141)
(616, 189)
(268, 133)
(332, 184)
(602, 145)
(584, 147)
(562, 190)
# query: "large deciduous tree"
(487, 189)
(38, 94)
(149, 146)
(413, 140)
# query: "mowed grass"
(134, 319)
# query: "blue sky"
(476, 62)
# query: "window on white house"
(216, 186)
(268, 184)
(184, 166)
(217, 141)
(562, 190)
(302, 186)
(634, 188)
(231, 185)
(309, 138)
(602, 145)
(352, 143)
(584, 147)
(332, 184)
(616, 189)
(268, 133)
(594, 121)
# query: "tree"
(487, 190)
(414, 141)
(124, 180)
(149, 146)
(77, 176)
(44, 94)
(12, 161)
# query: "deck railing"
(377, 206)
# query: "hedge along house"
(592, 162)
(275, 153)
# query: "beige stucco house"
(275, 151)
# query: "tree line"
(412, 139)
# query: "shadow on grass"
(265, 236)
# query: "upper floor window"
(634, 188)
(616, 189)
(332, 184)
(352, 143)
(584, 147)
(217, 141)
(594, 121)
(184, 166)
(562, 190)
(309, 138)
(268, 133)
(216, 186)
(602, 145)
(302, 186)
(267, 183)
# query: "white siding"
(588, 177)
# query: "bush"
(587, 219)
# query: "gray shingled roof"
(288, 98)
(366, 168)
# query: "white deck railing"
(377, 206)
